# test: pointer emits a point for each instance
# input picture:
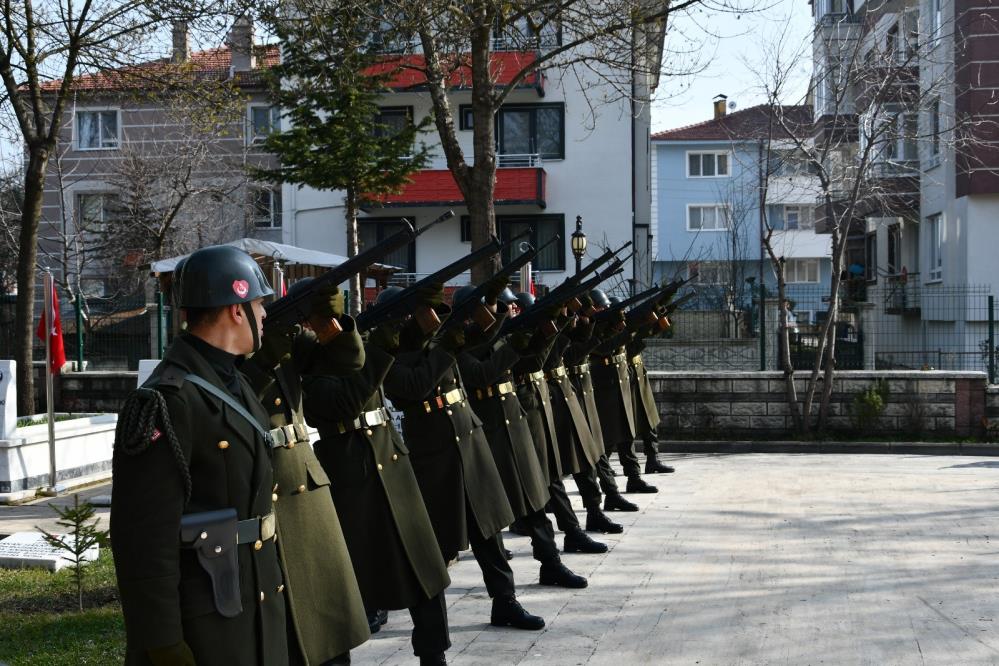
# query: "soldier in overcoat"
(326, 612)
(612, 389)
(454, 466)
(646, 411)
(389, 535)
(485, 367)
(192, 523)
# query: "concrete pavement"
(37, 513)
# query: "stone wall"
(753, 405)
(96, 391)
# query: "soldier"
(533, 394)
(192, 522)
(391, 541)
(326, 613)
(454, 467)
(612, 388)
(485, 367)
(646, 410)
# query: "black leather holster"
(212, 535)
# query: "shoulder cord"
(136, 430)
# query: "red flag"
(58, 352)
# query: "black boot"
(616, 502)
(578, 541)
(637, 485)
(433, 660)
(653, 466)
(508, 554)
(376, 620)
(518, 527)
(597, 521)
(507, 612)
(556, 573)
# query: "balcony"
(839, 18)
(408, 72)
(903, 295)
(520, 181)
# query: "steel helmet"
(507, 296)
(387, 294)
(599, 298)
(525, 300)
(217, 276)
(462, 293)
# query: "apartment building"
(708, 178)
(561, 154)
(134, 135)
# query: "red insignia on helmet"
(241, 288)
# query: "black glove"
(326, 303)
(495, 287)
(385, 337)
(276, 346)
(452, 338)
(178, 654)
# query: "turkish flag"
(58, 351)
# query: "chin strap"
(252, 320)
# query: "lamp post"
(578, 243)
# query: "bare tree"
(44, 47)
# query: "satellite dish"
(732, 105)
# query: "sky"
(729, 48)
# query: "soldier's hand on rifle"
(495, 287)
(276, 346)
(385, 336)
(431, 294)
(325, 306)
(451, 338)
(521, 340)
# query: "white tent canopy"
(286, 254)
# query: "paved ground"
(763, 559)
(38, 513)
(756, 559)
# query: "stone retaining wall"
(88, 391)
(753, 405)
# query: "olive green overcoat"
(391, 541)
(532, 392)
(449, 451)
(327, 614)
(576, 444)
(612, 391)
(646, 410)
(166, 596)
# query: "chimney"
(181, 45)
(720, 106)
(240, 42)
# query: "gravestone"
(29, 550)
(8, 399)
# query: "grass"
(42, 626)
(26, 421)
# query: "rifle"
(293, 309)
(646, 312)
(607, 313)
(472, 307)
(405, 302)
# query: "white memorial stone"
(29, 550)
(8, 399)
(146, 367)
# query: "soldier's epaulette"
(172, 376)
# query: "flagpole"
(49, 389)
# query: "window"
(894, 249)
(543, 229)
(871, 257)
(265, 207)
(790, 163)
(97, 130)
(892, 50)
(711, 217)
(935, 18)
(935, 237)
(707, 165)
(93, 212)
(710, 272)
(801, 270)
(393, 119)
(542, 30)
(371, 231)
(531, 129)
(264, 120)
(798, 218)
(934, 129)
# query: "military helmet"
(525, 300)
(219, 275)
(462, 293)
(507, 296)
(614, 300)
(175, 286)
(386, 294)
(599, 298)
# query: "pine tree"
(329, 95)
(83, 534)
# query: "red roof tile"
(503, 66)
(437, 187)
(208, 63)
(749, 123)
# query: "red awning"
(436, 187)
(503, 66)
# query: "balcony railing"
(903, 295)
(839, 18)
(514, 160)
(894, 168)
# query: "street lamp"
(578, 243)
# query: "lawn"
(41, 625)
